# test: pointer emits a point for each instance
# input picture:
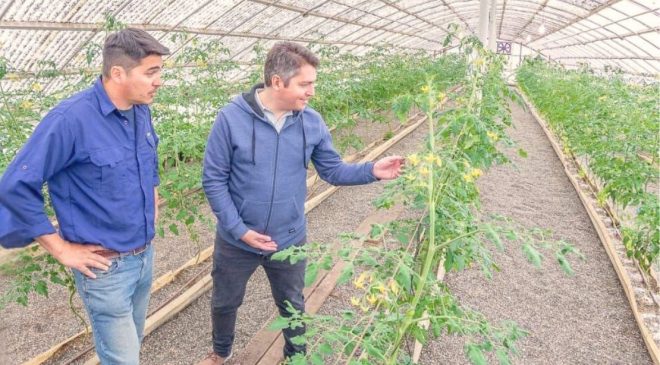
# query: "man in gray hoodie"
(255, 170)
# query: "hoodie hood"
(248, 102)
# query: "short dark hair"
(128, 47)
(285, 60)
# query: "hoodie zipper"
(272, 194)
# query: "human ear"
(117, 73)
(277, 82)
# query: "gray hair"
(285, 60)
(128, 47)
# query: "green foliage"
(32, 274)
(353, 89)
(613, 125)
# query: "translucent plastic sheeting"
(617, 34)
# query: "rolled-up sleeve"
(48, 151)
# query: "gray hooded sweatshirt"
(255, 178)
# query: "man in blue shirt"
(97, 153)
(255, 167)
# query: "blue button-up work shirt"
(101, 181)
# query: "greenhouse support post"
(492, 20)
(483, 21)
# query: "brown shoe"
(214, 359)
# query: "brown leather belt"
(111, 254)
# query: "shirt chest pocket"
(148, 157)
(112, 167)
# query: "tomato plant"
(614, 125)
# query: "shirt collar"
(106, 105)
(264, 108)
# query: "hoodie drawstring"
(304, 144)
(254, 142)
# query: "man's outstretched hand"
(388, 168)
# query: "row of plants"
(395, 283)
(352, 89)
(195, 86)
(614, 126)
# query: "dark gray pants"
(232, 268)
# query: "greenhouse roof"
(616, 33)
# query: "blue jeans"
(116, 302)
(232, 267)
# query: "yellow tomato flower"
(410, 177)
(371, 298)
(433, 159)
(355, 301)
(468, 178)
(381, 288)
(394, 287)
(359, 282)
(476, 172)
(414, 159)
(441, 96)
(493, 136)
(37, 87)
(364, 308)
(425, 89)
(424, 171)
(26, 104)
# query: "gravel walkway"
(581, 319)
